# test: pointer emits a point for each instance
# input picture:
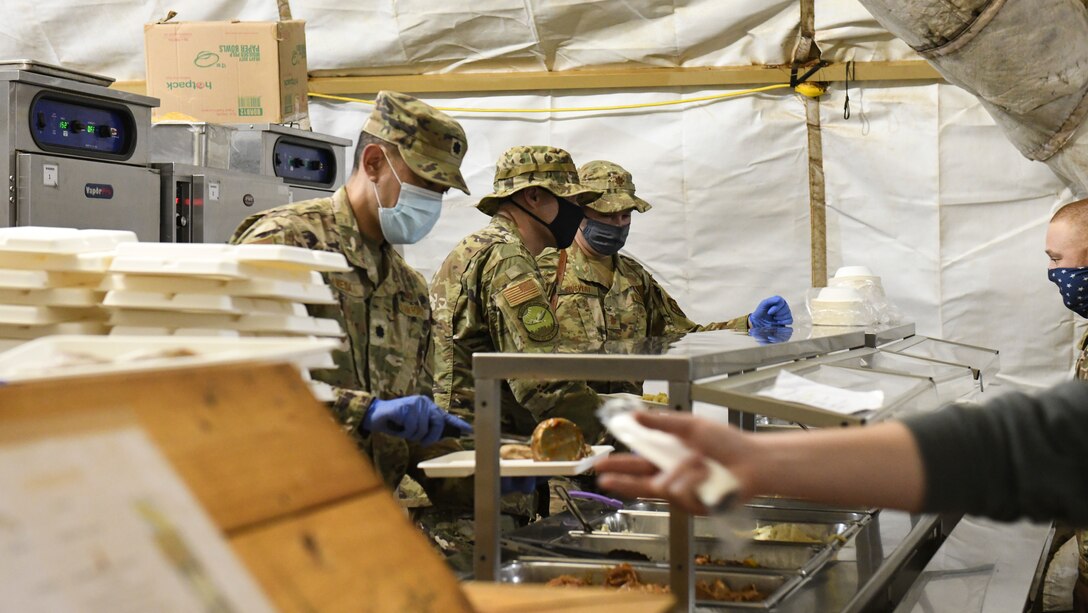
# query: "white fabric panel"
(415, 36)
(995, 206)
(882, 193)
(716, 208)
(846, 31)
(746, 183)
(926, 190)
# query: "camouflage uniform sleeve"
(262, 229)
(547, 262)
(350, 408)
(426, 367)
(521, 321)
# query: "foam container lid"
(201, 303)
(95, 262)
(293, 257)
(58, 297)
(312, 292)
(162, 331)
(838, 294)
(37, 239)
(22, 315)
(854, 271)
(44, 279)
(69, 327)
(271, 323)
(258, 256)
(162, 266)
(39, 359)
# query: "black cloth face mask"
(565, 225)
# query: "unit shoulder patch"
(539, 321)
(522, 292)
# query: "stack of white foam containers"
(49, 281)
(200, 290)
(220, 290)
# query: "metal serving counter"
(822, 560)
(679, 362)
(881, 551)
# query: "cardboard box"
(228, 71)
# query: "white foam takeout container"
(200, 303)
(226, 261)
(55, 297)
(313, 291)
(463, 464)
(39, 359)
(57, 241)
(269, 323)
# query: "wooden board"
(504, 598)
(250, 441)
(302, 508)
(337, 559)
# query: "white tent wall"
(424, 36)
(921, 185)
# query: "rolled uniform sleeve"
(521, 321)
(1016, 456)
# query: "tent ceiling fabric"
(418, 36)
(921, 185)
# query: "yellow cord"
(579, 109)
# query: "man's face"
(375, 157)
(1066, 245)
(623, 218)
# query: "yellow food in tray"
(660, 398)
(792, 533)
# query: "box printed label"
(242, 53)
(250, 106)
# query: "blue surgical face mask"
(1073, 284)
(416, 212)
(604, 238)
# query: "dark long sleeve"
(1016, 456)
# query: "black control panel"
(91, 128)
(306, 163)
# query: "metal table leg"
(487, 428)
(681, 530)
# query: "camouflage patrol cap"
(616, 184)
(536, 165)
(430, 141)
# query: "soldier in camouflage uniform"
(1067, 249)
(383, 304)
(608, 296)
(489, 296)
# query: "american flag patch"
(522, 292)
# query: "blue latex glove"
(519, 485)
(770, 336)
(415, 418)
(771, 311)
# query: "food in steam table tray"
(701, 559)
(625, 578)
(660, 398)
